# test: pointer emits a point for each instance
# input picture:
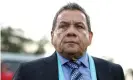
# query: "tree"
(13, 40)
(41, 44)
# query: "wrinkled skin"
(71, 36)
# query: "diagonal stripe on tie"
(75, 73)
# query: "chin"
(71, 51)
(70, 54)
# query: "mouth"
(73, 42)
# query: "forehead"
(71, 15)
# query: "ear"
(90, 37)
(52, 34)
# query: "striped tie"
(75, 73)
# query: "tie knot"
(73, 65)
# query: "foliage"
(13, 40)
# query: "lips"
(71, 42)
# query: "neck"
(72, 56)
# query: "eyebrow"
(64, 22)
(68, 22)
(79, 23)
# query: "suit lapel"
(52, 67)
(102, 70)
(98, 70)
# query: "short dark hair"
(72, 6)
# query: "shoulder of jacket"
(102, 61)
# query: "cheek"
(84, 38)
(57, 38)
(86, 35)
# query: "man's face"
(71, 37)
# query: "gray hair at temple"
(72, 6)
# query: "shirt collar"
(62, 59)
(84, 59)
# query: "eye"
(62, 26)
(80, 26)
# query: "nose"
(71, 31)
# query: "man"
(71, 35)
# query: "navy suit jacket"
(47, 69)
